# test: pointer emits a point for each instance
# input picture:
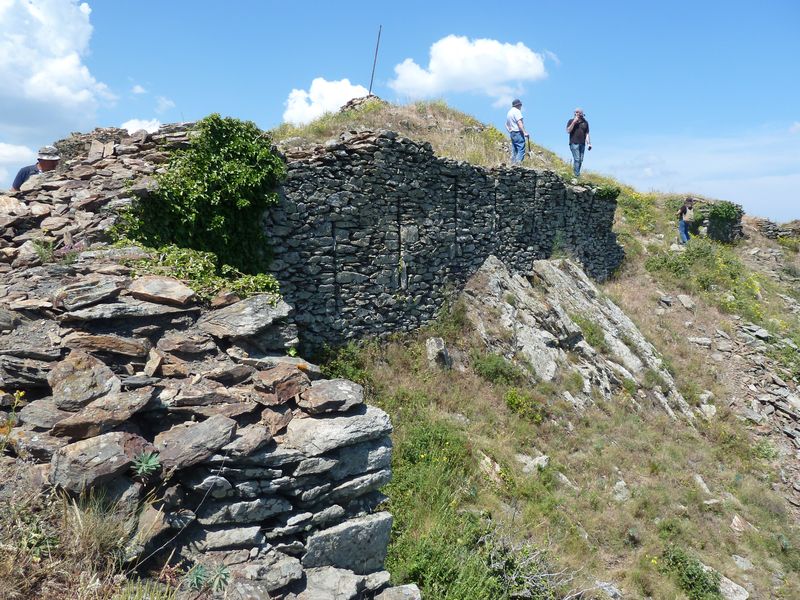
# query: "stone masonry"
(373, 231)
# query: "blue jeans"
(683, 231)
(517, 146)
(577, 157)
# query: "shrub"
(213, 196)
(496, 369)
(345, 362)
(693, 579)
(638, 210)
(524, 404)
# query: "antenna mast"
(375, 60)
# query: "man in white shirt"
(516, 129)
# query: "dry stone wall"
(373, 230)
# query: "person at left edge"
(47, 160)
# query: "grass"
(444, 505)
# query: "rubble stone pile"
(193, 419)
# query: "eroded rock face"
(537, 317)
(358, 545)
(315, 436)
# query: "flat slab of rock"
(358, 545)
(32, 339)
(317, 435)
(245, 318)
(109, 344)
(333, 395)
(401, 592)
(23, 373)
(227, 538)
(123, 308)
(79, 379)
(42, 414)
(275, 570)
(249, 511)
(84, 464)
(188, 444)
(332, 584)
(38, 446)
(281, 383)
(86, 292)
(162, 290)
(247, 440)
(103, 414)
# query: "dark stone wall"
(372, 233)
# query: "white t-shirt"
(513, 118)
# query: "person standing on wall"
(579, 140)
(516, 129)
(685, 219)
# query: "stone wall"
(373, 231)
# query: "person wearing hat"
(579, 139)
(47, 161)
(516, 129)
(685, 219)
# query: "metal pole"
(375, 60)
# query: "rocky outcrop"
(537, 320)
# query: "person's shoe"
(574, 181)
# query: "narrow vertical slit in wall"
(400, 266)
(336, 290)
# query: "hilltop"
(551, 436)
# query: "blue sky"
(681, 96)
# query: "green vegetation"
(205, 216)
(525, 404)
(496, 369)
(592, 333)
(715, 271)
(697, 582)
(202, 272)
(146, 464)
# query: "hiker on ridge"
(516, 129)
(685, 219)
(579, 140)
(46, 161)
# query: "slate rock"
(401, 592)
(124, 308)
(247, 440)
(42, 414)
(332, 584)
(23, 373)
(274, 570)
(110, 344)
(207, 539)
(79, 379)
(162, 290)
(333, 395)
(86, 292)
(188, 444)
(320, 434)
(87, 463)
(438, 356)
(37, 446)
(358, 544)
(246, 318)
(103, 414)
(276, 418)
(281, 383)
(186, 342)
(247, 511)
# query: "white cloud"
(47, 89)
(163, 104)
(149, 125)
(795, 127)
(482, 66)
(553, 56)
(12, 157)
(138, 89)
(323, 96)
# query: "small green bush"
(213, 196)
(693, 579)
(496, 369)
(790, 243)
(525, 404)
(639, 210)
(345, 362)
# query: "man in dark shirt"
(47, 161)
(579, 139)
(685, 219)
